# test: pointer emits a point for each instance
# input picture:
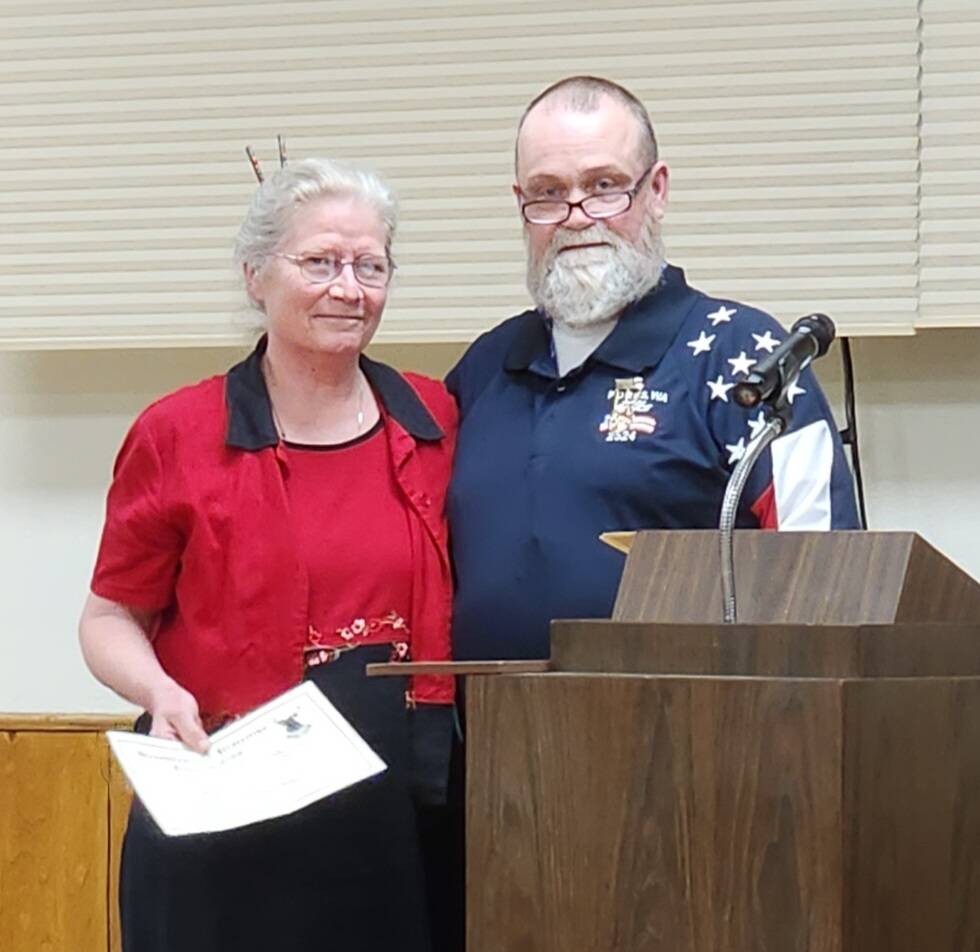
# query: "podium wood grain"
(864, 578)
(626, 821)
(783, 650)
(641, 813)
(807, 780)
(912, 783)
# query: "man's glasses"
(605, 205)
(370, 271)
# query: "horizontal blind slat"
(791, 129)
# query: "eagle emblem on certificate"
(630, 411)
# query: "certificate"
(283, 756)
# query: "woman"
(279, 522)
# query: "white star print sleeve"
(803, 481)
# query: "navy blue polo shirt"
(643, 435)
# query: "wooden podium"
(807, 780)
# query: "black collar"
(640, 338)
(252, 427)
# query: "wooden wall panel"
(53, 835)
(120, 797)
(62, 811)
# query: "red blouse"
(201, 530)
(355, 543)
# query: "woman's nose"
(345, 286)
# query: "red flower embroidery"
(321, 649)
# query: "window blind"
(791, 129)
(950, 230)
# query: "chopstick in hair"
(256, 168)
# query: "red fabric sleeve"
(140, 549)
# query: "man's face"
(583, 271)
(565, 154)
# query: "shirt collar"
(251, 425)
(640, 339)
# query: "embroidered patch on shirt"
(629, 414)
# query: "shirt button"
(561, 388)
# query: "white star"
(736, 451)
(757, 425)
(719, 389)
(702, 344)
(722, 316)
(793, 392)
(766, 342)
(741, 364)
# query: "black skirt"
(342, 875)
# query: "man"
(609, 405)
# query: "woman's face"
(339, 317)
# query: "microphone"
(769, 379)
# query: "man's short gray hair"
(285, 190)
(585, 94)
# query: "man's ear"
(659, 190)
(517, 193)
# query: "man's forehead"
(559, 140)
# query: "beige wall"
(64, 413)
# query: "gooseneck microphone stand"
(770, 383)
(777, 421)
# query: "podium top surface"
(825, 578)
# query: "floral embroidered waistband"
(324, 647)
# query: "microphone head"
(821, 328)
(748, 392)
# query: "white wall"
(919, 422)
(62, 416)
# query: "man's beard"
(579, 288)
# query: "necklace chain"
(280, 429)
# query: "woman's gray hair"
(297, 183)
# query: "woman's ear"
(252, 283)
